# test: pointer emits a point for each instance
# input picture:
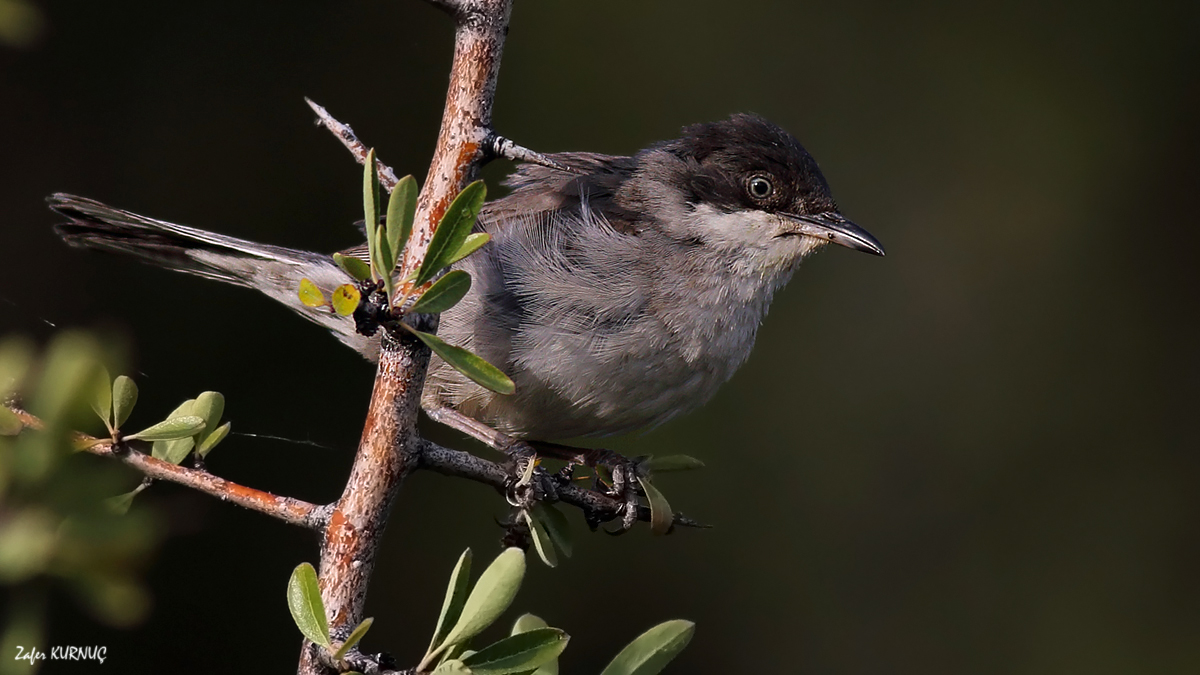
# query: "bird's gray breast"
(602, 331)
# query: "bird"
(617, 292)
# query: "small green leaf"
(527, 622)
(355, 635)
(101, 398)
(651, 651)
(124, 398)
(481, 372)
(10, 424)
(121, 503)
(472, 243)
(209, 406)
(175, 451)
(556, 526)
(213, 439)
(304, 602)
(402, 210)
(345, 299)
(492, 594)
(444, 293)
(661, 517)
(452, 667)
(357, 269)
(672, 463)
(384, 261)
(310, 295)
(541, 540)
(371, 207)
(170, 430)
(456, 595)
(518, 653)
(452, 231)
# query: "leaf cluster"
(531, 648)
(56, 526)
(193, 428)
(422, 291)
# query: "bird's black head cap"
(746, 162)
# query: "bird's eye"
(760, 187)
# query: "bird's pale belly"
(588, 383)
(570, 399)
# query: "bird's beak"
(833, 227)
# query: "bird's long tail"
(273, 270)
(92, 224)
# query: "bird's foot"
(528, 481)
(615, 475)
(620, 483)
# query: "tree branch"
(287, 509)
(481, 26)
(596, 506)
(387, 177)
(389, 447)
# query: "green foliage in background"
(58, 526)
(22, 24)
(60, 522)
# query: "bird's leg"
(520, 453)
(496, 440)
(623, 470)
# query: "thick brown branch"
(287, 509)
(388, 448)
(385, 456)
(467, 117)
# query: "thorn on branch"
(387, 177)
(499, 146)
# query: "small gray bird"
(616, 295)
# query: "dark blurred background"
(976, 455)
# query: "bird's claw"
(527, 482)
(622, 472)
(624, 487)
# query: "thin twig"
(504, 148)
(387, 177)
(287, 509)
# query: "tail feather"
(92, 224)
(272, 270)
